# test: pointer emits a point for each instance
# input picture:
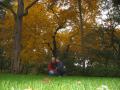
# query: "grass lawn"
(42, 82)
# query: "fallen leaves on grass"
(47, 80)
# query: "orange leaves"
(40, 24)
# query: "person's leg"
(61, 72)
(51, 73)
(56, 72)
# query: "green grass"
(43, 82)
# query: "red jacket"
(51, 66)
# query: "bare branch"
(29, 6)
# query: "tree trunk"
(17, 38)
(54, 51)
(17, 44)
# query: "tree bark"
(54, 50)
(18, 31)
(17, 44)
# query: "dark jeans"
(60, 72)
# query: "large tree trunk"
(18, 31)
(17, 44)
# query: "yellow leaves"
(9, 21)
(50, 1)
(56, 9)
(68, 14)
(40, 24)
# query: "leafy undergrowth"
(43, 82)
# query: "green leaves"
(6, 2)
(116, 2)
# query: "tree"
(60, 18)
(110, 27)
(18, 18)
(84, 6)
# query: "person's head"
(53, 59)
(57, 60)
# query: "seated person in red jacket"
(52, 67)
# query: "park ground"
(44, 82)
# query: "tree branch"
(60, 27)
(8, 7)
(29, 6)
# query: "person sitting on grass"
(60, 67)
(52, 67)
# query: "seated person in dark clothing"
(60, 67)
(52, 67)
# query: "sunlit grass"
(43, 82)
